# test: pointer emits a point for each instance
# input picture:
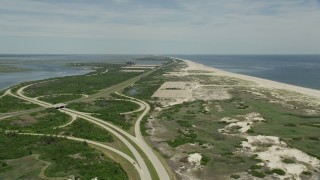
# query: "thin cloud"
(215, 25)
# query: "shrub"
(235, 176)
(4, 164)
(308, 173)
(257, 174)
(279, 171)
(255, 167)
(288, 161)
(204, 160)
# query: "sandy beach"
(259, 81)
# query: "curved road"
(143, 144)
(128, 158)
(138, 139)
(143, 166)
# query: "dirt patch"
(24, 120)
(211, 93)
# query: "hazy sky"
(160, 26)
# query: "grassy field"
(146, 86)
(59, 98)
(41, 122)
(11, 104)
(108, 110)
(84, 129)
(294, 127)
(83, 84)
(27, 167)
(190, 123)
(67, 157)
(47, 122)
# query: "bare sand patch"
(139, 67)
(171, 93)
(133, 70)
(195, 159)
(240, 124)
(211, 93)
(272, 151)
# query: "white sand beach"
(269, 84)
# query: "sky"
(160, 26)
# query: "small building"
(59, 106)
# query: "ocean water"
(48, 66)
(300, 70)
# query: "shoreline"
(260, 82)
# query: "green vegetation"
(235, 176)
(279, 171)
(307, 173)
(199, 127)
(83, 129)
(186, 136)
(43, 122)
(288, 161)
(67, 157)
(83, 84)
(10, 69)
(218, 80)
(11, 104)
(146, 86)
(47, 122)
(183, 123)
(204, 160)
(255, 167)
(257, 174)
(28, 167)
(143, 127)
(292, 126)
(108, 110)
(178, 141)
(59, 98)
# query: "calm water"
(47, 66)
(301, 70)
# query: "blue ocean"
(300, 70)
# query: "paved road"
(5, 93)
(143, 144)
(128, 158)
(99, 122)
(73, 118)
(18, 113)
(138, 139)
(137, 110)
(144, 169)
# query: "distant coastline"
(264, 83)
(298, 70)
